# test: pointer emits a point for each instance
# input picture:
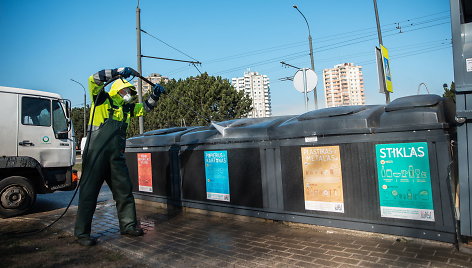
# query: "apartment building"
(256, 86)
(155, 78)
(344, 85)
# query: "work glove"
(157, 90)
(126, 72)
(151, 102)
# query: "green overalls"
(105, 161)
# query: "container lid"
(332, 112)
(164, 131)
(330, 121)
(417, 112)
(159, 137)
(238, 130)
(410, 102)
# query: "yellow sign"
(386, 69)
(322, 178)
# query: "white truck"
(37, 148)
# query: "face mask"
(127, 97)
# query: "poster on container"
(216, 175)
(404, 181)
(322, 178)
(144, 172)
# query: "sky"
(47, 43)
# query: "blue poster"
(216, 174)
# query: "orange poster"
(322, 178)
(144, 172)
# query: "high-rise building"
(155, 78)
(256, 86)
(344, 85)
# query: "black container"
(277, 168)
(163, 148)
(244, 142)
(356, 131)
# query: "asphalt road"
(60, 199)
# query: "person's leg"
(95, 165)
(88, 193)
(122, 188)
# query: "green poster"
(404, 181)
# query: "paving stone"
(460, 263)
(194, 240)
(346, 260)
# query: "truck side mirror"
(68, 107)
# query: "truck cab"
(37, 148)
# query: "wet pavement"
(197, 240)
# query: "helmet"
(119, 84)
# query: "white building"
(155, 78)
(256, 86)
(344, 85)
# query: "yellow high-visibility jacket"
(114, 101)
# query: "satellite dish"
(311, 80)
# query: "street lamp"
(85, 103)
(311, 53)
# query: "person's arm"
(139, 109)
(97, 80)
(151, 102)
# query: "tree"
(77, 116)
(195, 101)
(450, 92)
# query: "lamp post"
(311, 54)
(85, 104)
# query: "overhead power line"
(372, 34)
(411, 25)
(176, 49)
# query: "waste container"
(372, 168)
(224, 170)
(152, 160)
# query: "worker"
(104, 156)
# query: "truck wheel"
(17, 196)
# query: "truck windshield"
(59, 121)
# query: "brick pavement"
(196, 240)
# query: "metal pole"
(140, 69)
(311, 54)
(379, 34)
(313, 68)
(85, 104)
(304, 89)
(85, 111)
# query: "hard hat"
(119, 84)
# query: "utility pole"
(311, 54)
(379, 34)
(140, 68)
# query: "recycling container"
(374, 168)
(152, 160)
(223, 169)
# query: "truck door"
(40, 120)
(9, 124)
